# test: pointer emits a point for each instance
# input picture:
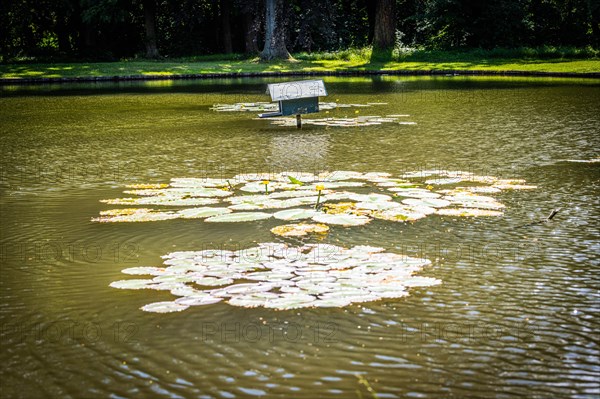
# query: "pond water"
(516, 314)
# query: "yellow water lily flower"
(265, 182)
(320, 187)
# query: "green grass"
(546, 59)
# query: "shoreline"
(230, 75)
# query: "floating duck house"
(296, 98)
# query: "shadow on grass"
(378, 60)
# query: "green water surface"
(515, 316)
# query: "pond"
(515, 315)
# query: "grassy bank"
(527, 60)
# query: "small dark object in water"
(553, 213)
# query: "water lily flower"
(319, 188)
(266, 183)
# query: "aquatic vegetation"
(299, 229)
(343, 198)
(343, 219)
(239, 217)
(401, 214)
(137, 215)
(278, 276)
(164, 307)
(161, 200)
(147, 186)
(359, 121)
(366, 120)
(205, 212)
(295, 214)
(467, 212)
(261, 106)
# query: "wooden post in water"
(299, 121)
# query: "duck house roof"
(295, 90)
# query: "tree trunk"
(149, 7)
(62, 32)
(251, 36)
(274, 33)
(226, 26)
(385, 25)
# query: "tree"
(314, 24)
(149, 7)
(251, 11)
(274, 32)
(385, 25)
(225, 10)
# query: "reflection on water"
(516, 314)
(305, 151)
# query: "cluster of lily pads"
(367, 120)
(343, 198)
(278, 276)
(267, 106)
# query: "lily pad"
(213, 281)
(373, 197)
(341, 219)
(448, 180)
(400, 214)
(414, 192)
(164, 307)
(467, 212)
(198, 300)
(125, 211)
(174, 278)
(377, 206)
(203, 182)
(133, 284)
(197, 213)
(143, 215)
(339, 208)
(161, 200)
(252, 300)
(332, 302)
(429, 202)
(147, 186)
(288, 301)
(239, 217)
(468, 200)
(294, 214)
(270, 276)
(293, 194)
(508, 186)
(300, 229)
(186, 290)
(145, 270)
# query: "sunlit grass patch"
(525, 60)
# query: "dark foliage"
(113, 29)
